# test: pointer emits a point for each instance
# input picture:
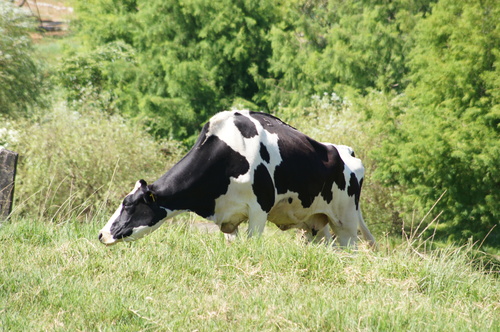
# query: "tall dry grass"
(78, 163)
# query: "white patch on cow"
(223, 126)
(232, 207)
(141, 231)
(105, 233)
(354, 165)
(270, 141)
(342, 149)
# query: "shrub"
(89, 78)
(20, 73)
(193, 58)
(445, 135)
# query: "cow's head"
(138, 215)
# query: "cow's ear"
(150, 197)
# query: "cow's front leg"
(256, 222)
(230, 237)
(317, 229)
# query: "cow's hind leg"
(366, 232)
(346, 232)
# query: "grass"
(58, 277)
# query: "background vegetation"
(20, 72)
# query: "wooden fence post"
(8, 163)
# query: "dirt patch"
(53, 16)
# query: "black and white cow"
(249, 166)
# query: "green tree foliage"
(446, 136)
(94, 79)
(322, 44)
(20, 75)
(193, 57)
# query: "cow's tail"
(366, 232)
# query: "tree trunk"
(8, 163)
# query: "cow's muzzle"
(106, 238)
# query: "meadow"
(58, 277)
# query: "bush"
(321, 45)
(20, 73)
(193, 58)
(89, 78)
(444, 136)
(76, 164)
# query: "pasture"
(59, 277)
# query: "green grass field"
(59, 277)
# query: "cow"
(251, 166)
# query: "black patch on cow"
(359, 194)
(339, 178)
(271, 123)
(264, 154)
(246, 127)
(308, 167)
(202, 176)
(354, 189)
(263, 188)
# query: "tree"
(447, 134)
(323, 44)
(193, 57)
(20, 73)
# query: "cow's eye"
(129, 208)
(128, 201)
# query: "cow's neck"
(201, 177)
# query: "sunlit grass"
(180, 279)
